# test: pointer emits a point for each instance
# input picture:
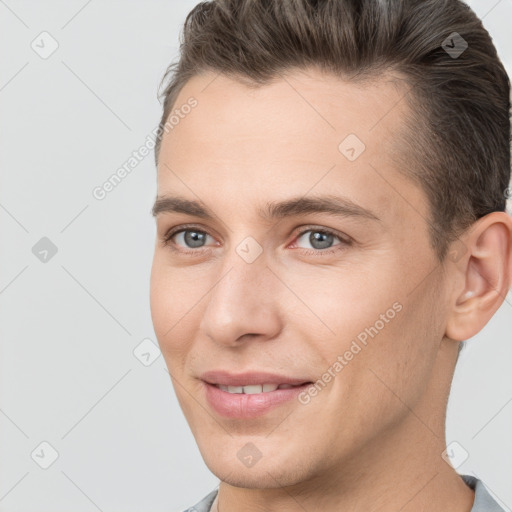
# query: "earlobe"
(485, 276)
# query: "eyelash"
(167, 241)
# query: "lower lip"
(241, 405)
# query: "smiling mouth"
(248, 401)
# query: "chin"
(226, 462)
(250, 478)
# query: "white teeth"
(254, 388)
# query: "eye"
(320, 240)
(189, 238)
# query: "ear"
(482, 275)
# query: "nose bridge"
(241, 300)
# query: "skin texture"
(372, 439)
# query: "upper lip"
(224, 378)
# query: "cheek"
(160, 299)
(375, 327)
(176, 302)
(399, 362)
(168, 304)
(339, 303)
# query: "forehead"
(305, 132)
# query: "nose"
(243, 303)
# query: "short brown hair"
(456, 139)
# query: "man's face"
(294, 294)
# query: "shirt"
(484, 502)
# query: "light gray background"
(68, 375)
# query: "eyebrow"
(295, 206)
